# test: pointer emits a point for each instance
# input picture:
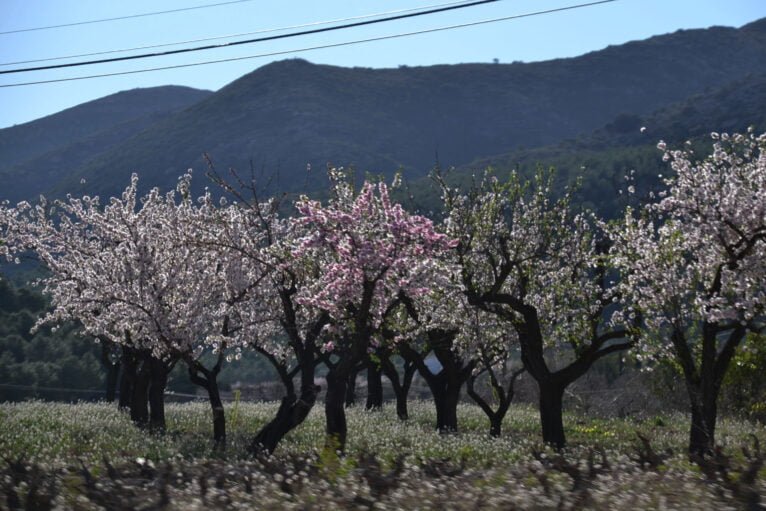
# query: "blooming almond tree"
(127, 272)
(254, 249)
(492, 345)
(370, 252)
(695, 267)
(442, 328)
(543, 271)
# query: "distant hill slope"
(603, 158)
(287, 114)
(35, 154)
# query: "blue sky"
(562, 34)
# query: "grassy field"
(90, 456)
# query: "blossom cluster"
(699, 254)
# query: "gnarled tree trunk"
(401, 386)
(551, 413)
(503, 395)
(158, 381)
(294, 409)
(446, 384)
(208, 380)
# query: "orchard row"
(357, 280)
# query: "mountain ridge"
(289, 114)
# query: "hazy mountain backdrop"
(283, 116)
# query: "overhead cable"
(320, 47)
(250, 41)
(228, 36)
(130, 16)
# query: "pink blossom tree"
(370, 253)
(695, 267)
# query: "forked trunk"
(219, 418)
(112, 377)
(401, 405)
(208, 380)
(495, 425)
(112, 370)
(292, 412)
(401, 386)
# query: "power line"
(252, 41)
(241, 34)
(130, 16)
(320, 47)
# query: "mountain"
(40, 152)
(288, 114)
(603, 158)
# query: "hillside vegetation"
(35, 154)
(603, 158)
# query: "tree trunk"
(704, 415)
(292, 412)
(503, 395)
(374, 387)
(445, 385)
(139, 402)
(112, 369)
(401, 396)
(703, 383)
(335, 413)
(158, 381)
(351, 389)
(219, 418)
(401, 406)
(401, 386)
(127, 379)
(446, 398)
(112, 377)
(208, 380)
(551, 413)
(452, 398)
(496, 425)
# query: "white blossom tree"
(695, 267)
(128, 272)
(542, 269)
(11, 238)
(254, 249)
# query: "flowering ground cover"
(91, 456)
